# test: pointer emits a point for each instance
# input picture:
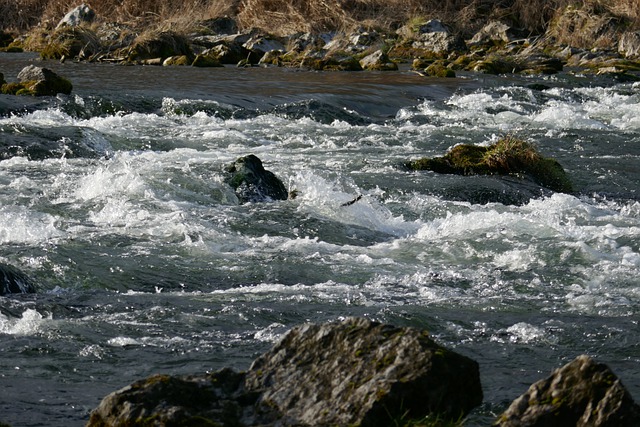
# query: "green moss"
(509, 156)
(439, 69)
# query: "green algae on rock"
(508, 156)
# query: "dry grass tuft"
(289, 16)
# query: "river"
(146, 263)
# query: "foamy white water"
(146, 262)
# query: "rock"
(253, 183)
(509, 156)
(495, 33)
(203, 60)
(82, 14)
(359, 372)
(176, 60)
(582, 393)
(260, 45)
(439, 69)
(273, 57)
(208, 400)
(629, 45)
(353, 372)
(38, 81)
(378, 61)
(161, 45)
(433, 38)
(14, 281)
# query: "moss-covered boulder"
(206, 61)
(37, 81)
(509, 156)
(151, 45)
(581, 393)
(253, 183)
(440, 69)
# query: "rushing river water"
(146, 263)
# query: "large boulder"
(82, 14)
(38, 81)
(353, 372)
(253, 183)
(14, 281)
(509, 156)
(359, 372)
(582, 393)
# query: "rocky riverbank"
(585, 40)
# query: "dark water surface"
(147, 263)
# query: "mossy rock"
(205, 61)
(71, 42)
(509, 156)
(439, 69)
(180, 60)
(159, 45)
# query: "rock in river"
(582, 393)
(253, 183)
(352, 372)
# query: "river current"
(116, 205)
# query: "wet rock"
(359, 372)
(509, 156)
(439, 69)
(353, 372)
(629, 45)
(378, 61)
(218, 398)
(273, 57)
(82, 14)
(14, 281)
(38, 81)
(204, 61)
(582, 393)
(253, 183)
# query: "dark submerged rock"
(509, 156)
(14, 281)
(582, 393)
(354, 372)
(253, 183)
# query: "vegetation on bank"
(282, 17)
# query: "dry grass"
(288, 16)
